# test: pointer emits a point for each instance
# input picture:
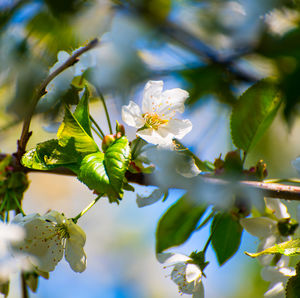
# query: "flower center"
(153, 120)
(62, 230)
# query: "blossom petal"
(192, 272)
(176, 127)
(178, 276)
(264, 244)
(199, 291)
(132, 115)
(42, 242)
(277, 290)
(54, 216)
(74, 252)
(155, 196)
(75, 255)
(76, 233)
(296, 164)
(152, 92)
(172, 101)
(152, 136)
(172, 258)
(260, 227)
(277, 207)
(276, 274)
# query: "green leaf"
(178, 223)
(105, 173)
(72, 129)
(31, 160)
(51, 153)
(82, 112)
(116, 160)
(293, 285)
(253, 114)
(226, 236)
(288, 248)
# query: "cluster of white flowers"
(266, 229)
(155, 122)
(50, 236)
(11, 262)
(186, 274)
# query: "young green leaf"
(253, 114)
(226, 236)
(31, 160)
(178, 223)
(82, 112)
(106, 172)
(72, 129)
(288, 248)
(51, 153)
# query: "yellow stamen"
(154, 121)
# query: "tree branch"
(271, 190)
(41, 90)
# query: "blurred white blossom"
(62, 82)
(280, 21)
(278, 276)
(296, 164)
(50, 236)
(11, 262)
(185, 274)
(155, 122)
(150, 199)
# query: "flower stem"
(25, 293)
(98, 127)
(105, 109)
(75, 219)
(18, 204)
(211, 235)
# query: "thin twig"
(97, 126)
(41, 90)
(105, 109)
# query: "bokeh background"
(215, 50)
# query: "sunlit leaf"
(288, 248)
(82, 112)
(105, 173)
(253, 114)
(71, 129)
(178, 223)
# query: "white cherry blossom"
(51, 236)
(187, 275)
(266, 229)
(155, 122)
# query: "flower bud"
(107, 141)
(120, 129)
